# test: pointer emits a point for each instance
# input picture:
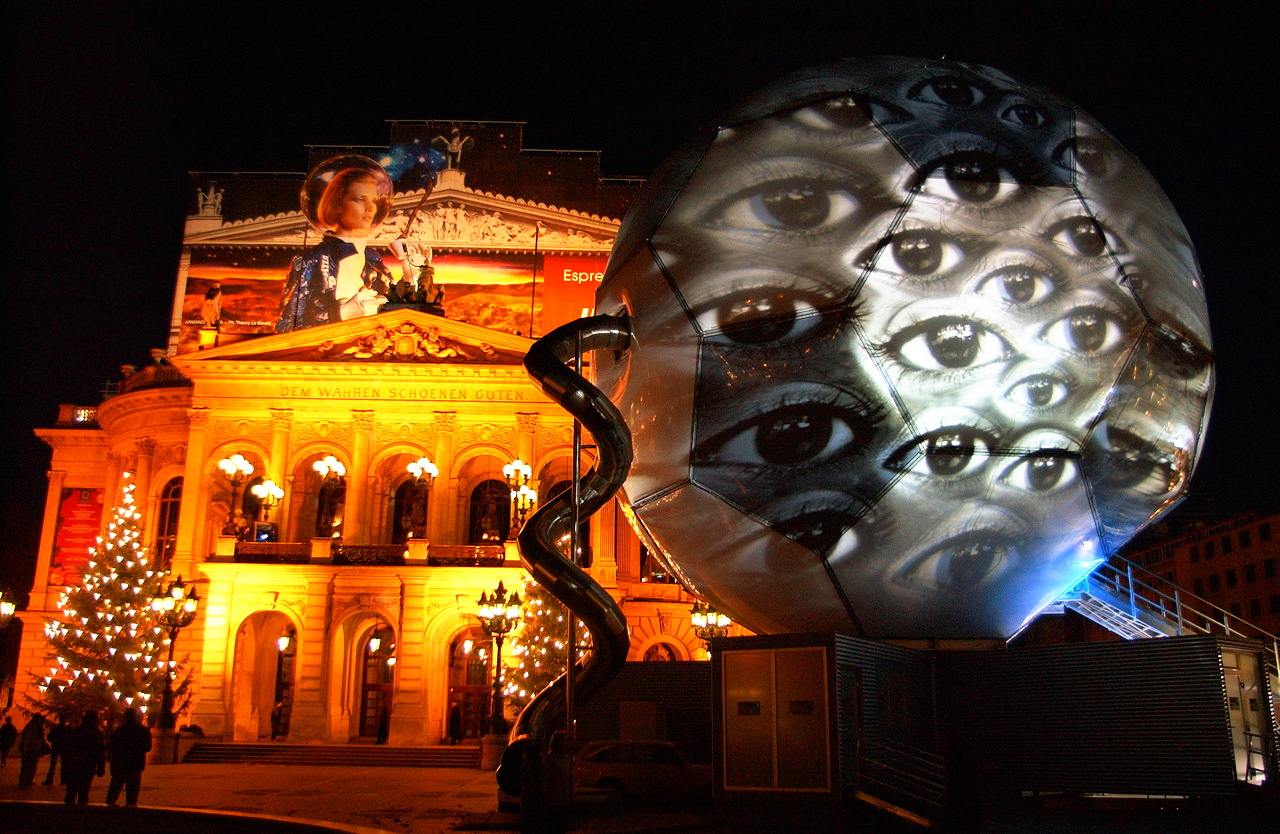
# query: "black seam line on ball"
(844, 599)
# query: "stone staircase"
(334, 755)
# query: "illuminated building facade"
(1234, 564)
(350, 600)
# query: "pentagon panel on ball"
(914, 345)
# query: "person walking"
(57, 735)
(31, 746)
(83, 755)
(128, 748)
(8, 735)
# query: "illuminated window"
(167, 522)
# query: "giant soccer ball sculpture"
(913, 347)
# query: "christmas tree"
(109, 653)
(540, 647)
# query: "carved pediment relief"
(453, 217)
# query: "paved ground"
(432, 800)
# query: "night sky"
(108, 106)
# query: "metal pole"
(167, 718)
(576, 513)
(498, 723)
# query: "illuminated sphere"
(915, 346)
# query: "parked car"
(641, 768)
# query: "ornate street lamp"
(7, 608)
(523, 498)
(268, 495)
(237, 470)
(708, 623)
(424, 473)
(499, 615)
(175, 610)
(332, 485)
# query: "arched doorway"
(263, 675)
(377, 681)
(470, 690)
(490, 516)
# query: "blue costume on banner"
(309, 293)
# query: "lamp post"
(175, 611)
(708, 623)
(7, 608)
(268, 495)
(331, 471)
(237, 470)
(424, 473)
(499, 615)
(523, 498)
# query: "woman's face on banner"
(359, 207)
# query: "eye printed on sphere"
(915, 345)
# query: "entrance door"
(1245, 701)
(376, 685)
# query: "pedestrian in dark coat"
(57, 735)
(8, 735)
(83, 754)
(128, 748)
(31, 746)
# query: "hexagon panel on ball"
(915, 345)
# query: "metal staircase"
(1136, 604)
(1131, 601)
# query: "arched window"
(490, 513)
(167, 522)
(659, 651)
(250, 505)
(410, 512)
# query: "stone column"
(52, 499)
(442, 507)
(309, 721)
(195, 494)
(215, 662)
(111, 495)
(145, 451)
(355, 525)
(409, 717)
(526, 430)
(281, 426)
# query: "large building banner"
(79, 520)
